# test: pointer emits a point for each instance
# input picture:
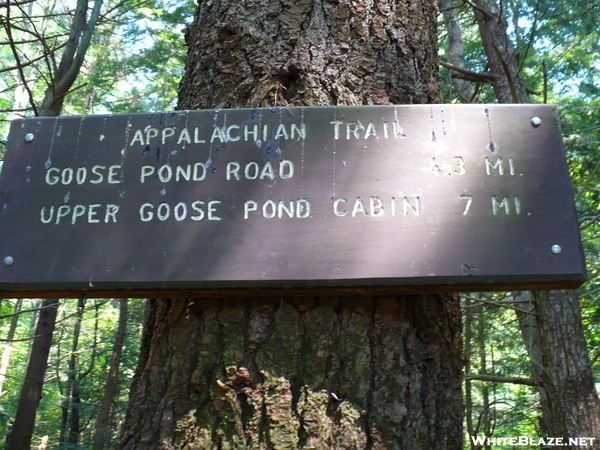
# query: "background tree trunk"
(292, 373)
(562, 366)
(455, 49)
(72, 403)
(102, 432)
(530, 333)
(505, 66)
(9, 344)
(553, 336)
(80, 36)
(22, 429)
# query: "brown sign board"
(371, 199)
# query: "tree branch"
(595, 358)
(31, 41)
(587, 183)
(73, 57)
(501, 379)
(509, 305)
(7, 4)
(469, 75)
(479, 8)
(586, 221)
(29, 62)
(6, 316)
(13, 48)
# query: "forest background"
(110, 56)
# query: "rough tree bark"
(348, 373)
(311, 52)
(302, 373)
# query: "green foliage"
(134, 64)
(492, 347)
(580, 118)
(92, 355)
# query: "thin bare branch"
(48, 52)
(586, 221)
(29, 62)
(23, 2)
(18, 340)
(505, 304)
(469, 75)
(591, 293)
(105, 17)
(14, 111)
(37, 39)
(6, 316)
(582, 130)
(595, 358)
(500, 379)
(13, 48)
(478, 8)
(587, 182)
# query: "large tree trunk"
(311, 52)
(298, 373)
(303, 373)
(567, 375)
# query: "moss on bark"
(338, 373)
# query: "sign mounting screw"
(29, 137)
(536, 121)
(556, 249)
(8, 261)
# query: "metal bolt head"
(556, 249)
(8, 261)
(29, 137)
(536, 121)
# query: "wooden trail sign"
(366, 199)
